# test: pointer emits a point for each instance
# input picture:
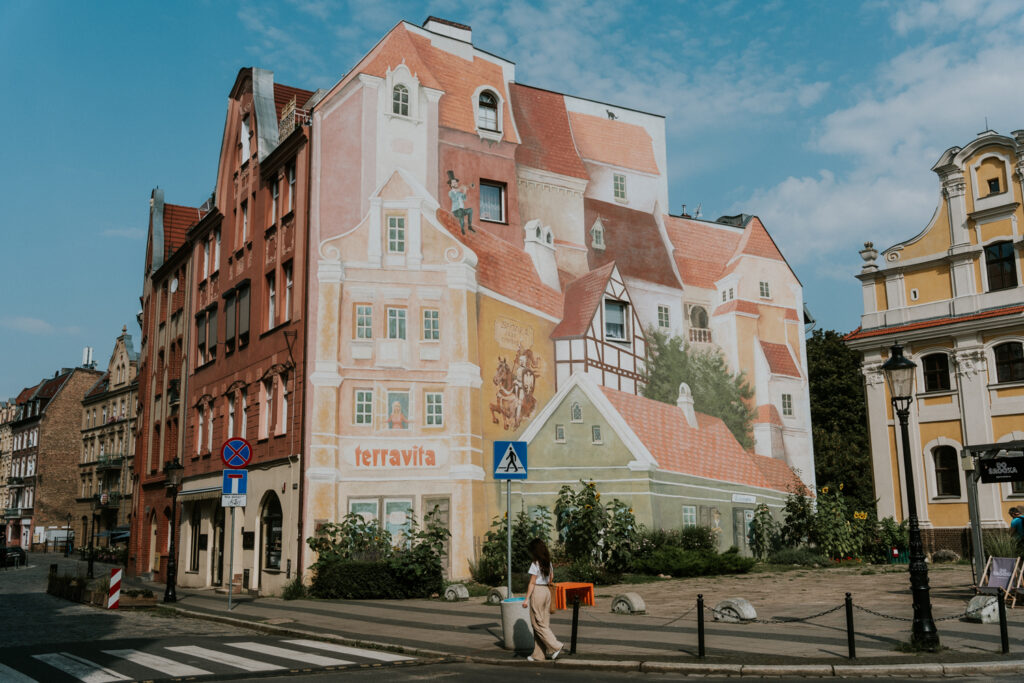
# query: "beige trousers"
(540, 615)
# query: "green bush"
(491, 567)
(1000, 543)
(805, 557)
(620, 538)
(587, 572)
(687, 538)
(884, 535)
(294, 590)
(679, 563)
(581, 519)
(488, 570)
(764, 532)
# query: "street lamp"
(899, 375)
(174, 471)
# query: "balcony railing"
(700, 335)
(107, 501)
(109, 461)
(15, 481)
(11, 513)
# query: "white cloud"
(952, 15)
(126, 233)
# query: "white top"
(541, 579)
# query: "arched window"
(999, 265)
(1009, 362)
(400, 100)
(947, 471)
(936, 372)
(487, 111)
(698, 317)
(272, 521)
(576, 413)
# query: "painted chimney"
(450, 29)
(685, 402)
(539, 243)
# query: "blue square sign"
(509, 460)
(235, 482)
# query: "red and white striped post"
(115, 589)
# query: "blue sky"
(822, 118)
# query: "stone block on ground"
(734, 610)
(496, 595)
(455, 592)
(629, 603)
(984, 609)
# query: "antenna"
(697, 213)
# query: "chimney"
(683, 214)
(685, 402)
(450, 29)
(539, 243)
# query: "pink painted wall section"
(473, 160)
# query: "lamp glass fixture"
(899, 373)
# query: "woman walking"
(538, 600)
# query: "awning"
(208, 493)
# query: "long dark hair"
(540, 554)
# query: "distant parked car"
(13, 556)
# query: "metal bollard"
(700, 625)
(1004, 638)
(53, 569)
(575, 623)
(849, 627)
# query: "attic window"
(597, 236)
(576, 413)
(615, 320)
(766, 292)
(487, 111)
(400, 100)
(993, 186)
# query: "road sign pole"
(231, 560)
(508, 515)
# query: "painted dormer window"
(487, 111)
(400, 100)
(597, 236)
(615, 320)
(619, 187)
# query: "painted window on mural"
(397, 516)
(663, 320)
(367, 509)
(787, 405)
(364, 406)
(1009, 362)
(765, 290)
(597, 236)
(487, 111)
(595, 434)
(398, 410)
(576, 413)
(689, 515)
(431, 324)
(560, 433)
(615, 320)
(619, 186)
(400, 100)
(396, 323)
(492, 201)
(936, 372)
(364, 321)
(1000, 266)
(947, 472)
(435, 409)
(396, 234)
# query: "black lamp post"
(899, 375)
(174, 471)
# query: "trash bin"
(515, 625)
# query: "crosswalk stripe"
(243, 663)
(346, 650)
(9, 675)
(82, 669)
(162, 664)
(305, 657)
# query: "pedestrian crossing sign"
(509, 460)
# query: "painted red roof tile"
(934, 322)
(582, 297)
(505, 268)
(626, 145)
(709, 451)
(177, 220)
(757, 242)
(543, 125)
(768, 414)
(632, 240)
(780, 360)
(284, 93)
(702, 249)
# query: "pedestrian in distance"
(538, 600)
(1017, 528)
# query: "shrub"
(764, 532)
(798, 528)
(682, 563)
(354, 538)
(489, 571)
(698, 538)
(884, 535)
(1000, 543)
(802, 556)
(490, 568)
(832, 527)
(294, 590)
(581, 519)
(620, 537)
(587, 572)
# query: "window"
(576, 413)
(947, 472)
(272, 523)
(689, 515)
(244, 418)
(431, 324)
(698, 317)
(1009, 362)
(787, 405)
(364, 407)
(288, 286)
(663, 319)
(367, 509)
(396, 323)
(915, 294)
(245, 222)
(559, 433)
(597, 236)
(492, 201)
(725, 295)
(398, 410)
(435, 409)
(619, 186)
(282, 416)
(275, 191)
(615, 320)
(271, 301)
(993, 185)
(364, 321)
(243, 316)
(396, 234)
(1002, 272)
(397, 514)
(291, 187)
(936, 372)
(209, 428)
(487, 111)
(216, 250)
(199, 430)
(400, 100)
(730, 294)
(244, 139)
(229, 322)
(595, 434)
(193, 559)
(267, 407)
(231, 417)
(206, 259)
(206, 336)
(765, 290)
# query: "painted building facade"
(952, 296)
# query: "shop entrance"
(218, 546)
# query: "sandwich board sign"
(234, 488)
(509, 460)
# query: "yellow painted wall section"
(932, 284)
(935, 239)
(794, 333)
(991, 169)
(936, 400)
(930, 344)
(996, 229)
(1007, 424)
(978, 284)
(1010, 392)
(947, 514)
(746, 328)
(881, 300)
(771, 326)
(1003, 333)
(929, 431)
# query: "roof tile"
(543, 125)
(702, 249)
(626, 145)
(177, 220)
(780, 360)
(582, 297)
(632, 240)
(934, 322)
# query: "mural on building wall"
(398, 410)
(457, 193)
(515, 381)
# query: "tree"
(842, 454)
(716, 391)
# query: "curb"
(684, 668)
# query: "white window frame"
(244, 136)
(396, 234)
(595, 435)
(433, 409)
(689, 516)
(271, 300)
(502, 201)
(486, 133)
(619, 187)
(289, 283)
(624, 307)
(275, 192)
(559, 433)
(362, 411)
(576, 412)
(664, 321)
(400, 100)
(291, 186)
(360, 328)
(764, 289)
(431, 324)
(397, 319)
(787, 405)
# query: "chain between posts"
(961, 615)
(730, 616)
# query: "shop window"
(364, 321)
(689, 515)
(397, 518)
(400, 100)
(619, 187)
(787, 405)
(431, 324)
(435, 409)
(1009, 362)
(492, 201)
(272, 536)
(1000, 266)
(560, 433)
(615, 320)
(364, 407)
(936, 372)
(947, 472)
(487, 111)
